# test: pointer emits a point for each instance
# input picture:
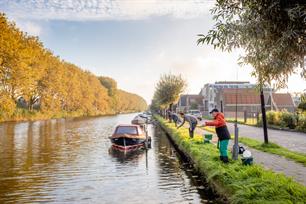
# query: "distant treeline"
(33, 80)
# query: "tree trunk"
(169, 114)
(264, 119)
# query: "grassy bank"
(240, 184)
(274, 149)
(270, 148)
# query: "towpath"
(294, 141)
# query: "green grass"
(270, 148)
(274, 149)
(240, 184)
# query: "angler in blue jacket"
(175, 117)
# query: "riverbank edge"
(271, 148)
(37, 116)
(237, 183)
(186, 156)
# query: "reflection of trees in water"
(128, 157)
(28, 159)
(7, 160)
(7, 147)
(167, 156)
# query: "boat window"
(126, 130)
(140, 131)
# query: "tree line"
(32, 78)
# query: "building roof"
(232, 82)
(282, 100)
(243, 96)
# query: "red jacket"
(218, 121)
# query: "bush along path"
(238, 183)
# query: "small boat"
(141, 119)
(127, 137)
(138, 120)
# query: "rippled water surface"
(71, 161)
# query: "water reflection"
(30, 153)
(133, 156)
(71, 161)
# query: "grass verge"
(274, 149)
(269, 148)
(238, 183)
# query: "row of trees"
(121, 101)
(31, 77)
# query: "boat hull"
(127, 143)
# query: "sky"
(133, 41)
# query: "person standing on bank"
(175, 117)
(222, 133)
(192, 120)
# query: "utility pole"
(221, 104)
(263, 112)
(235, 151)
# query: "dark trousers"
(192, 127)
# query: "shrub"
(301, 125)
(282, 119)
(273, 118)
(270, 117)
(288, 119)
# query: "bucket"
(207, 138)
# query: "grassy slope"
(240, 184)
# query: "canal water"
(71, 161)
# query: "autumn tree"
(302, 104)
(128, 102)
(7, 105)
(111, 86)
(168, 90)
(10, 57)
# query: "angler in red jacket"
(222, 133)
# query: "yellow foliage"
(30, 72)
(7, 105)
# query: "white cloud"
(104, 9)
(30, 27)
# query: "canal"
(71, 161)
